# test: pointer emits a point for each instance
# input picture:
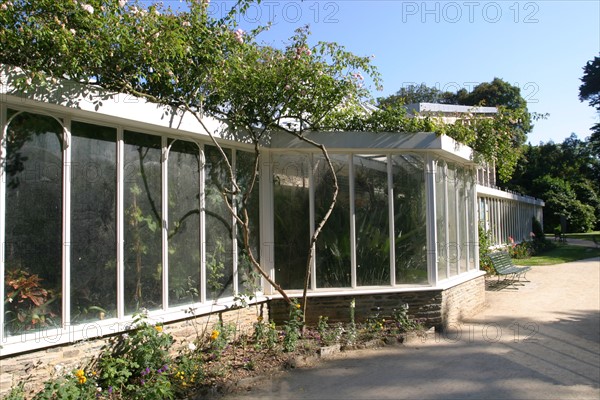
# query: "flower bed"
(142, 363)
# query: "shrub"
(16, 392)
(220, 337)
(76, 385)
(539, 242)
(137, 364)
(485, 241)
(187, 369)
(265, 334)
(293, 327)
(404, 322)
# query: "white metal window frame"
(68, 332)
(430, 162)
(71, 333)
(508, 214)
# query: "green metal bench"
(504, 266)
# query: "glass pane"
(33, 248)
(372, 220)
(453, 220)
(219, 259)
(292, 218)
(472, 218)
(184, 223)
(93, 222)
(410, 219)
(333, 244)
(440, 208)
(463, 217)
(143, 241)
(248, 278)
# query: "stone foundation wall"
(35, 367)
(462, 301)
(437, 308)
(426, 305)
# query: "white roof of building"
(448, 108)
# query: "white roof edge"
(450, 108)
(377, 142)
(501, 194)
(93, 102)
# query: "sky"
(539, 46)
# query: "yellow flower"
(79, 373)
(158, 328)
(82, 379)
(298, 306)
(215, 334)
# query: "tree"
(590, 91)
(495, 93)
(417, 94)
(499, 93)
(561, 201)
(498, 140)
(590, 88)
(191, 62)
(566, 176)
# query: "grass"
(585, 236)
(561, 254)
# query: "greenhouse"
(112, 208)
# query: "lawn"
(585, 236)
(561, 254)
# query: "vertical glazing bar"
(457, 216)
(234, 235)
(165, 222)
(202, 205)
(390, 183)
(431, 217)
(468, 223)
(475, 233)
(3, 124)
(508, 211)
(120, 224)
(66, 228)
(350, 160)
(446, 220)
(499, 231)
(497, 222)
(503, 224)
(527, 221)
(267, 224)
(311, 208)
(464, 201)
(509, 231)
(519, 220)
(511, 207)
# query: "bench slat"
(503, 264)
